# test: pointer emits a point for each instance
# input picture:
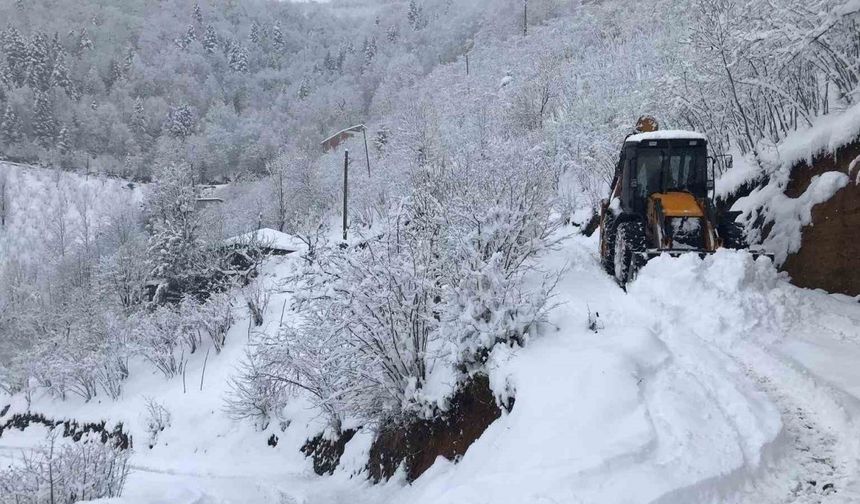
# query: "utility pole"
(345, 185)
(366, 154)
(467, 64)
(525, 17)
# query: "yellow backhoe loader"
(662, 202)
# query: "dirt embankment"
(417, 445)
(829, 257)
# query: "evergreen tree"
(392, 34)
(190, 35)
(85, 43)
(304, 89)
(329, 62)
(16, 57)
(128, 63)
(64, 142)
(210, 40)
(39, 66)
(369, 50)
(255, 33)
(416, 16)
(44, 123)
(278, 37)
(198, 14)
(175, 244)
(138, 119)
(60, 74)
(238, 58)
(180, 121)
(10, 127)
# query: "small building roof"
(268, 238)
(665, 135)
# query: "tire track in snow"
(814, 458)
(820, 463)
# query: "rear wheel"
(629, 245)
(607, 234)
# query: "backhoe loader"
(662, 202)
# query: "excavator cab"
(660, 202)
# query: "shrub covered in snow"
(66, 472)
(445, 277)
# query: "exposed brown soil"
(71, 428)
(326, 453)
(829, 257)
(418, 444)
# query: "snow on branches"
(429, 290)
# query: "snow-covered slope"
(709, 381)
(47, 210)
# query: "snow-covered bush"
(159, 340)
(167, 334)
(66, 472)
(157, 419)
(438, 283)
(256, 299)
(258, 391)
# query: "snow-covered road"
(708, 381)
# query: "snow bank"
(647, 408)
(769, 204)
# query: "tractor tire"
(629, 242)
(732, 234)
(607, 234)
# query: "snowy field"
(709, 381)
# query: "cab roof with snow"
(665, 135)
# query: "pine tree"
(10, 127)
(39, 67)
(329, 62)
(128, 62)
(64, 143)
(190, 35)
(175, 244)
(198, 15)
(277, 37)
(304, 89)
(238, 58)
(255, 33)
(369, 50)
(60, 73)
(138, 119)
(16, 57)
(392, 34)
(416, 16)
(44, 123)
(210, 40)
(180, 121)
(85, 43)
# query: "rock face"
(829, 257)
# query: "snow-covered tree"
(210, 40)
(44, 121)
(176, 249)
(10, 127)
(180, 121)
